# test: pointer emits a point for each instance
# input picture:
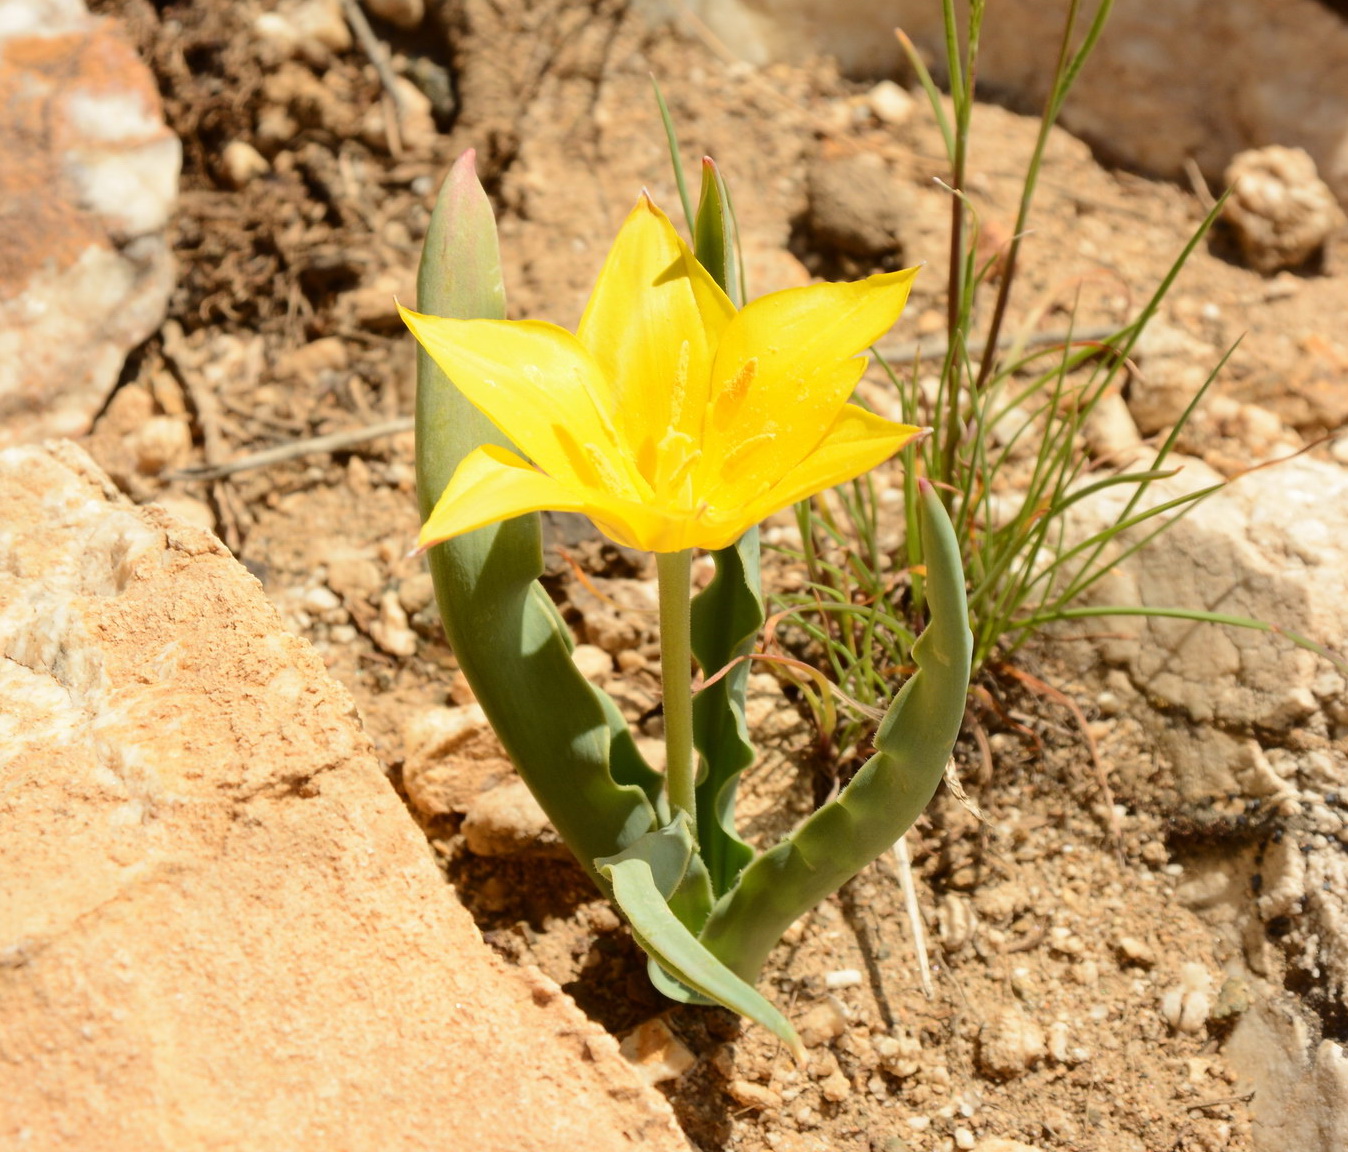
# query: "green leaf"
(668, 942)
(714, 232)
(913, 745)
(506, 634)
(727, 614)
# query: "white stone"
(1272, 546)
(655, 1052)
(890, 104)
(243, 163)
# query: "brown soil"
(1051, 945)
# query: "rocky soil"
(1157, 966)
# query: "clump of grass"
(992, 406)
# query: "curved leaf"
(667, 941)
(913, 745)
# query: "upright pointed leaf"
(727, 614)
(507, 637)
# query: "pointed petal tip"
(923, 485)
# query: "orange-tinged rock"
(219, 928)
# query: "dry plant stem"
(333, 442)
(905, 867)
(929, 349)
(379, 57)
(675, 573)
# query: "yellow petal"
(653, 323)
(787, 363)
(492, 484)
(854, 443)
(540, 387)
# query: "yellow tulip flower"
(671, 419)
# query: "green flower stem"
(675, 572)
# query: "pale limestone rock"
(1270, 547)
(1166, 81)
(1279, 208)
(218, 925)
(1300, 1088)
(89, 177)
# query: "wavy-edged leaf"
(727, 616)
(913, 745)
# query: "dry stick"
(378, 55)
(1220, 1102)
(927, 350)
(1101, 774)
(905, 867)
(206, 407)
(333, 442)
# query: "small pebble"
(756, 1096)
(899, 1054)
(405, 14)
(390, 631)
(1010, 1044)
(822, 1024)
(655, 1052)
(1186, 1005)
(890, 104)
(836, 1088)
(507, 820)
(242, 163)
(1134, 951)
(593, 662)
(416, 593)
